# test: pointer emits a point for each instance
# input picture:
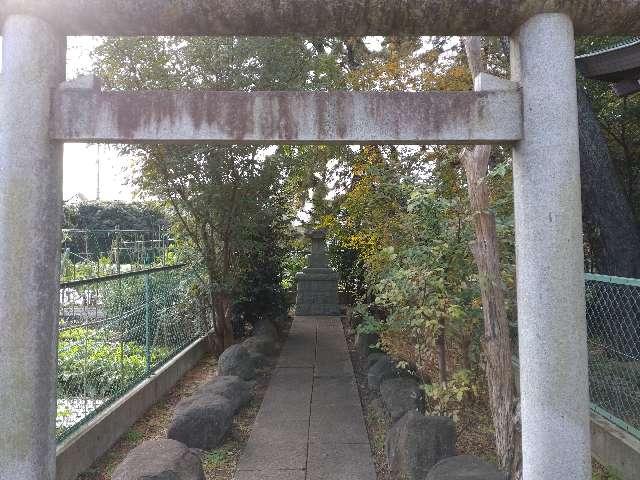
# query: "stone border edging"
(78, 452)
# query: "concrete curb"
(612, 446)
(78, 452)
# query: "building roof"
(618, 65)
(613, 64)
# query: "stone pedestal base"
(317, 292)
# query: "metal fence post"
(117, 249)
(147, 323)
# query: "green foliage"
(449, 399)
(261, 293)
(400, 224)
(99, 215)
(97, 219)
(134, 436)
(398, 218)
(97, 364)
(230, 202)
(295, 261)
(86, 269)
(427, 286)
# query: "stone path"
(310, 425)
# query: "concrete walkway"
(310, 425)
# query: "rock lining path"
(310, 425)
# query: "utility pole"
(98, 173)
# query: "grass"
(605, 473)
(378, 427)
(133, 436)
(218, 457)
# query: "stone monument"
(317, 285)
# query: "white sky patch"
(90, 170)
(373, 43)
(81, 160)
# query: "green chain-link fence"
(116, 331)
(98, 253)
(613, 321)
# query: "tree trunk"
(605, 205)
(223, 329)
(442, 353)
(497, 341)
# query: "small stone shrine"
(317, 284)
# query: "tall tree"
(224, 197)
(610, 168)
(220, 193)
(609, 221)
(497, 340)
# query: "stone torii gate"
(537, 114)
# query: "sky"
(81, 160)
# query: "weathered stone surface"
(237, 391)
(273, 474)
(415, 443)
(364, 342)
(288, 117)
(162, 459)
(308, 426)
(202, 422)
(550, 279)
(335, 461)
(317, 285)
(465, 467)
(236, 360)
(322, 17)
(259, 360)
(281, 430)
(266, 328)
(337, 391)
(261, 344)
(383, 369)
(373, 358)
(400, 395)
(337, 424)
(32, 65)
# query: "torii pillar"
(550, 269)
(30, 216)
